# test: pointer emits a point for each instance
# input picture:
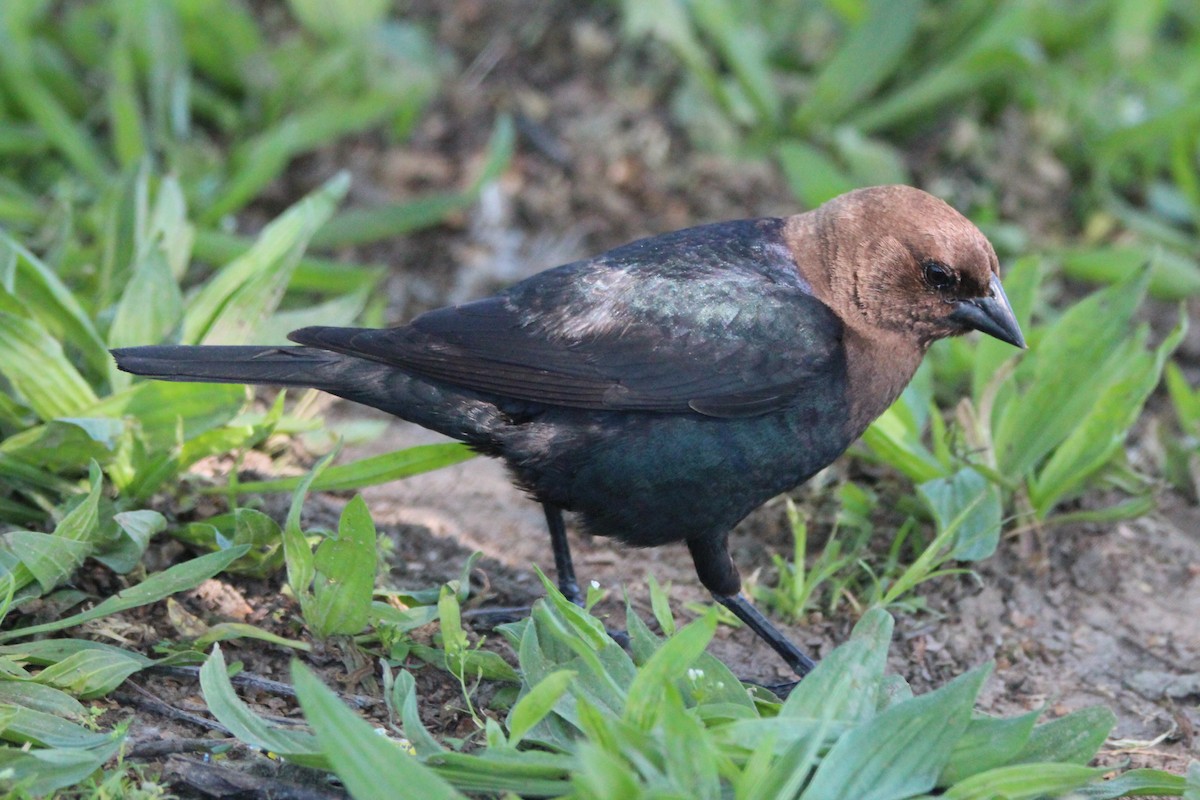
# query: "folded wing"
(725, 341)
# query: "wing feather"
(623, 332)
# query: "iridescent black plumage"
(664, 389)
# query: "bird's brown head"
(896, 260)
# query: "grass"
(119, 225)
(669, 720)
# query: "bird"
(664, 389)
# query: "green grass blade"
(536, 704)
(221, 40)
(341, 18)
(341, 310)
(46, 298)
(867, 57)
(90, 674)
(989, 742)
(225, 631)
(845, 685)
(178, 578)
(1071, 352)
(321, 275)
(263, 159)
(990, 54)
(812, 174)
(362, 758)
(744, 48)
(41, 771)
(1023, 782)
(248, 289)
(1173, 275)
(34, 363)
(25, 88)
(46, 699)
(124, 107)
(667, 665)
(967, 504)
(167, 75)
(166, 412)
(668, 21)
(1141, 783)
(370, 471)
(1073, 739)
(151, 306)
(296, 746)
(26, 725)
(365, 225)
(298, 556)
(499, 153)
(53, 559)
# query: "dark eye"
(939, 276)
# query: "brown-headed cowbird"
(666, 388)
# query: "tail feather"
(274, 366)
(460, 414)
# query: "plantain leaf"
(362, 758)
(90, 673)
(299, 747)
(902, 751)
(34, 363)
(345, 574)
(178, 578)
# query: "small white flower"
(595, 584)
(695, 674)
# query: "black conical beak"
(991, 315)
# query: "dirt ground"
(1076, 616)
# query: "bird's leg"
(564, 569)
(720, 576)
(796, 658)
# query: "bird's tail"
(274, 366)
(456, 413)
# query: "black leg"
(800, 663)
(563, 568)
(719, 575)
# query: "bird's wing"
(631, 333)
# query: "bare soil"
(1076, 616)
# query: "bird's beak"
(991, 315)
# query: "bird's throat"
(877, 370)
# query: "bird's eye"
(939, 276)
